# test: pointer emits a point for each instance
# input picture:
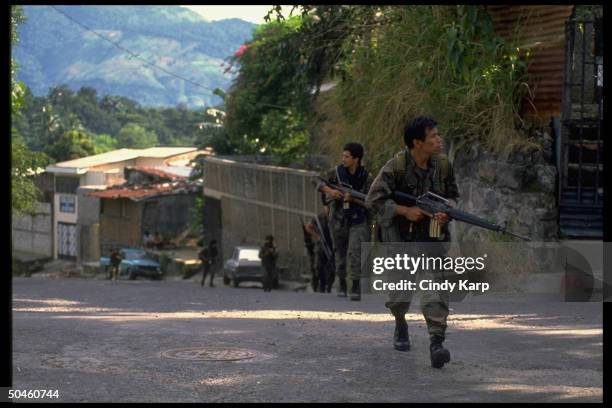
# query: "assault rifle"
(327, 247)
(431, 203)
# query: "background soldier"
(115, 260)
(269, 256)
(349, 220)
(208, 256)
(416, 170)
(324, 275)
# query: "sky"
(253, 14)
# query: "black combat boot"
(356, 290)
(401, 340)
(342, 289)
(439, 355)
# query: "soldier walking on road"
(115, 260)
(419, 168)
(208, 256)
(268, 255)
(349, 219)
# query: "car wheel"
(275, 284)
(131, 274)
(235, 283)
(226, 280)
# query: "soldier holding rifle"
(349, 220)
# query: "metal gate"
(581, 171)
(67, 240)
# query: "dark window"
(66, 185)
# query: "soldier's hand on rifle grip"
(413, 214)
(335, 194)
(348, 197)
(442, 218)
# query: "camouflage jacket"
(337, 213)
(409, 180)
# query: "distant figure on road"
(147, 240)
(268, 255)
(157, 241)
(115, 260)
(208, 256)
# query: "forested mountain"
(53, 50)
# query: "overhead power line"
(133, 54)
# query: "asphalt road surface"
(143, 341)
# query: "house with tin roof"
(153, 199)
(76, 216)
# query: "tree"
(272, 84)
(73, 144)
(104, 143)
(135, 136)
(24, 162)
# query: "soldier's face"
(348, 160)
(433, 143)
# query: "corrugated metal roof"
(542, 29)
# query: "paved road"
(99, 341)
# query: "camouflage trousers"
(347, 246)
(434, 303)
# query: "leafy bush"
(442, 61)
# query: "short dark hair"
(269, 238)
(355, 149)
(417, 129)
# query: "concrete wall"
(112, 166)
(520, 191)
(88, 226)
(34, 234)
(94, 178)
(213, 225)
(257, 200)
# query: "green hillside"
(54, 50)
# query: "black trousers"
(268, 277)
(205, 269)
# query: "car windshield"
(135, 255)
(248, 255)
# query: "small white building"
(71, 224)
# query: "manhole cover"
(210, 354)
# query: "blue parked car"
(134, 263)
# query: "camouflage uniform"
(348, 232)
(416, 181)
